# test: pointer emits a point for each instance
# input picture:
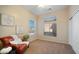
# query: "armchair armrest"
(20, 48)
(25, 42)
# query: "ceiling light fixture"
(41, 6)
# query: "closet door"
(74, 33)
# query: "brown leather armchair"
(20, 48)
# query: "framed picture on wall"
(6, 19)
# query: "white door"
(74, 32)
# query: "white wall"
(74, 29)
(7, 30)
(21, 16)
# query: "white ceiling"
(43, 10)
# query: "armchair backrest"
(6, 40)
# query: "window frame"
(49, 29)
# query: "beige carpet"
(47, 47)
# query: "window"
(32, 26)
(50, 28)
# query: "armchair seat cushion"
(23, 42)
